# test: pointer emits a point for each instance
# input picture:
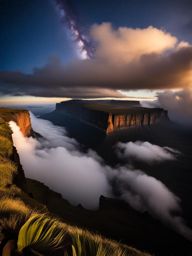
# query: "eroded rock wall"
(113, 119)
(119, 121)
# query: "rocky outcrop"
(111, 116)
(24, 122)
(21, 117)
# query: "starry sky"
(33, 32)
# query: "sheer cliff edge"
(26, 225)
(112, 115)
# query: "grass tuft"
(25, 221)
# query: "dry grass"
(6, 145)
(37, 232)
(7, 168)
(10, 204)
(13, 213)
(41, 234)
(7, 171)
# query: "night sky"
(174, 16)
(30, 33)
(33, 32)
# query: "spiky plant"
(48, 236)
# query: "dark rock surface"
(112, 115)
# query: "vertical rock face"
(21, 117)
(19, 177)
(138, 119)
(87, 115)
(10, 162)
(110, 126)
(111, 116)
(24, 122)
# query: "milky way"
(70, 20)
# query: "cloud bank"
(124, 45)
(82, 178)
(178, 104)
(54, 136)
(145, 152)
(145, 193)
(79, 178)
(125, 58)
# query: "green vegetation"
(45, 235)
(28, 226)
(35, 233)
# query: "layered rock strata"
(111, 116)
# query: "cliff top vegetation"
(27, 228)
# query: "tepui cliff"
(112, 115)
(26, 226)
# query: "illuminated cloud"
(145, 152)
(125, 59)
(124, 45)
